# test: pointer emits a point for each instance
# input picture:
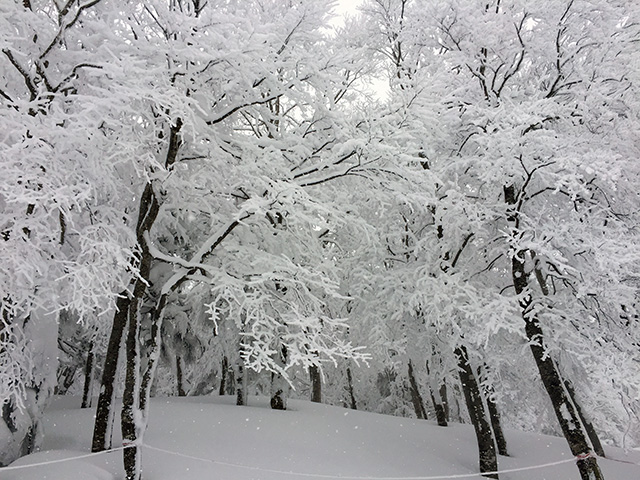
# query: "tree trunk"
(316, 384)
(416, 397)
(441, 407)
(473, 398)
(279, 385)
(179, 380)
(553, 383)
(496, 425)
(241, 385)
(131, 416)
(442, 391)
(223, 375)
(494, 413)
(588, 426)
(562, 405)
(105, 411)
(88, 379)
(352, 399)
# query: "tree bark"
(444, 399)
(473, 398)
(316, 384)
(223, 375)
(130, 416)
(179, 379)
(496, 425)
(588, 426)
(438, 399)
(416, 397)
(494, 413)
(105, 410)
(352, 399)
(553, 383)
(88, 379)
(241, 385)
(279, 386)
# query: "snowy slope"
(212, 439)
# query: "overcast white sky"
(347, 6)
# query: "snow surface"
(312, 440)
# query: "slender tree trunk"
(279, 386)
(588, 426)
(496, 425)
(223, 375)
(316, 384)
(105, 411)
(416, 397)
(473, 398)
(241, 385)
(88, 379)
(494, 413)
(440, 407)
(352, 399)
(131, 414)
(553, 383)
(179, 379)
(444, 399)
(231, 381)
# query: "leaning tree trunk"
(88, 379)
(588, 426)
(553, 383)
(316, 384)
(416, 397)
(564, 408)
(473, 398)
(105, 411)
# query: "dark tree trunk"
(553, 383)
(179, 379)
(440, 407)
(279, 386)
(352, 399)
(231, 381)
(588, 426)
(241, 389)
(88, 379)
(473, 398)
(131, 412)
(445, 402)
(223, 376)
(496, 425)
(105, 410)
(316, 384)
(416, 398)
(494, 413)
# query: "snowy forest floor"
(210, 438)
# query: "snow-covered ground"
(201, 438)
